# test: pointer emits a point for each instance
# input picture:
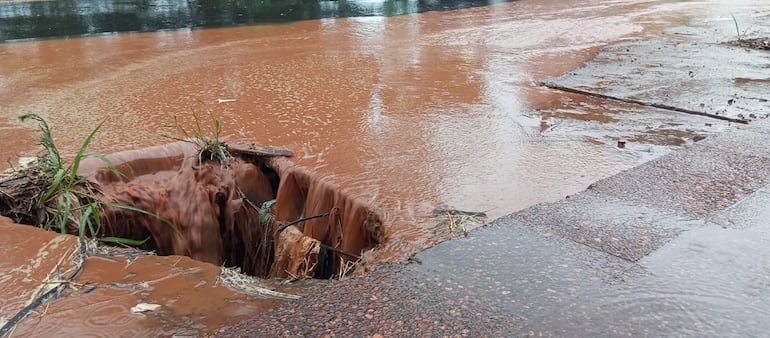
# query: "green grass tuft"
(69, 201)
(737, 29)
(64, 200)
(210, 147)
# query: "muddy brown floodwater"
(408, 114)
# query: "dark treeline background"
(61, 18)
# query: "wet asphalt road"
(679, 246)
(606, 262)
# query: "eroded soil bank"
(246, 213)
(254, 210)
(194, 298)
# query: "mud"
(31, 258)
(379, 104)
(191, 298)
(198, 209)
(232, 213)
(390, 118)
(352, 225)
(246, 213)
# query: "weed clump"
(209, 148)
(51, 195)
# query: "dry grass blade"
(346, 266)
(248, 284)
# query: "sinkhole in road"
(256, 210)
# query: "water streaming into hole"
(246, 212)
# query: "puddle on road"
(710, 281)
(663, 71)
(638, 129)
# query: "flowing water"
(408, 113)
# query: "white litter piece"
(144, 307)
